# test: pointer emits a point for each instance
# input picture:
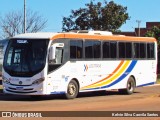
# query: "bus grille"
(20, 91)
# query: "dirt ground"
(144, 99)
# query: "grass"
(1, 87)
(158, 79)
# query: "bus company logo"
(20, 82)
(92, 66)
(85, 67)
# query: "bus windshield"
(25, 57)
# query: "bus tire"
(130, 87)
(72, 90)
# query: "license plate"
(19, 88)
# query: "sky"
(55, 10)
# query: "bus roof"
(41, 35)
(53, 36)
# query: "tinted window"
(97, 49)
(142, 50)
(122, 49)
(128, 50)
(106, 50)
(25, 57)
(113, 49)
(88, 49)
(125, 50)
(76, 49)
(136, 50)
(110, 50)
(150, 50)
(92, 49)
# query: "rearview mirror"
(52, 55)
(52, 50)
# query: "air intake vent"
(100, 33)
(93, 32)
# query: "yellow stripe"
(114, 77)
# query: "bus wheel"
(72, 90)
(130, 87)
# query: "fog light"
(41, 89)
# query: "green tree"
(154, 32)
(96, 16)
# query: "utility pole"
(24, 16)
(139, 32)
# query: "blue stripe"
(151, 83)
(59, 92)
(130, 68)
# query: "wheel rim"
(71, 89)
(130, 86)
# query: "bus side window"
(136, 49)
(106, 50)
(122, 49)
(142, 50)
(56, 58)
(110, 49)
(113, 49)
(88, 49)
(76, 49)
(128, 50)
(96, 49)
(92, 49)
(150, 50)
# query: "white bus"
(69, 63)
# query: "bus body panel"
(90, 75)
(23, 85)
(105, 75)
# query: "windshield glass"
(25, 57)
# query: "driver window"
(56, 63)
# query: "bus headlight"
(5, 80)
(38, 81)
